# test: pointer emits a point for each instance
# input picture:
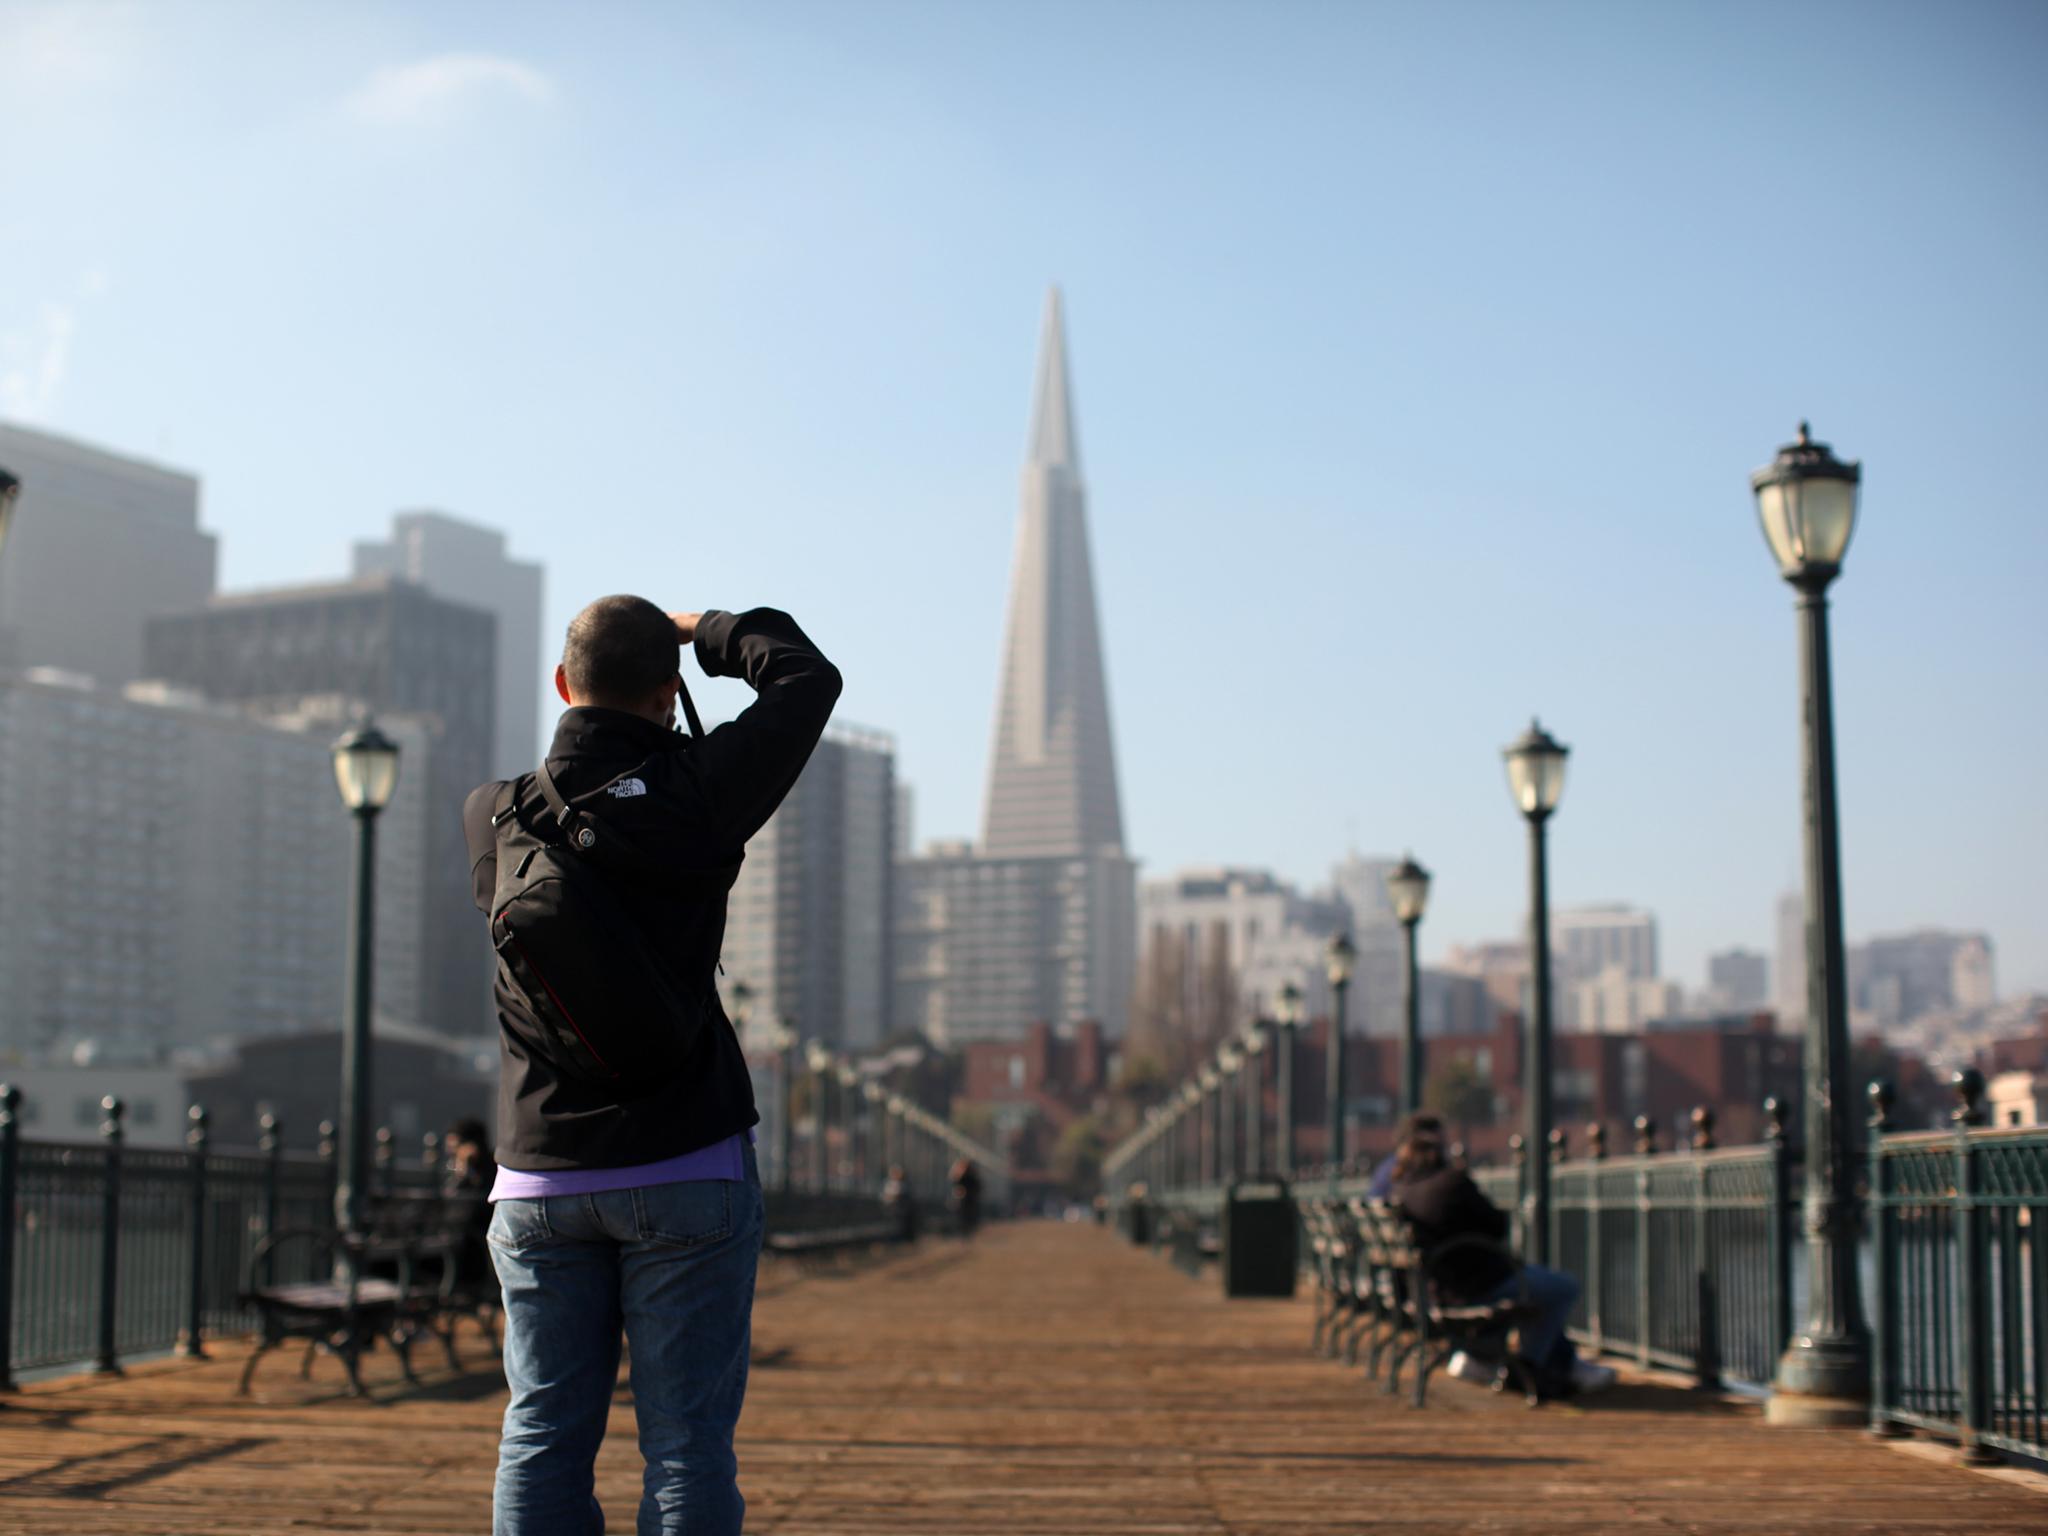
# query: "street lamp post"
(1536, 779)
(782, 1040)
(853, 1165)
(1287, 1014)
(1806, 500)
(818, 1057)
(877, 1159)
(1254, 1082)
(10, 497)
(1340, 960)
(1228, 1063)
(1408, 885)
(366, 773)
(1212, 1140)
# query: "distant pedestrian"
(627, 1192)
(966, 1197)
(899, 1203)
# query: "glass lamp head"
(818, 1055)
(1341, 960)
(847, 1075)
(1288, 1006)
(1806, 501)
(366, 769)
(1228, 1060)
(10, 497)
(1408, 886)
(1535, 762)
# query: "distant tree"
(977, 1121)
(1077, 1157)
(1460, 1093)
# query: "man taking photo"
(627, 1195)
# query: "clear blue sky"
(1421, 353)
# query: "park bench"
(1409, 1315)
(414, 1271)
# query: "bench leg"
(263, 1347)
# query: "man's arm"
(482, 838)
(747, 765)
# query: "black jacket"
(1447, 1204)
(699, 803)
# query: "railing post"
(1559, 1150)
(106, 1361)
(193, 1345)
(10, 1156)
(1596, 1151)
(1778, 1248)
(1973, 1292)
(1518, 1150)
(1646, 1148)
(270, 1142)
(1707, 1355)
(1884, 1296)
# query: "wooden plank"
(1045, 1381)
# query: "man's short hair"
(620, 649)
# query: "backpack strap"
(564, 813)
(689, 710)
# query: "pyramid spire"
(1053, 439)
(1052, 786)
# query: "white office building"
(177, 871)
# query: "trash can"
(1138, 1222)
(1258, 1240)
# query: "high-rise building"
(1038, 924)
(1590, 940)
(1737, 979)
(100, 543)
(1379, 977)
(1790, 969)
(467, 563)
(1898, 978)
(808, 925)
(1216, 945)
(385, 646)
(208, 897)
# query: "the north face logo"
(626, 789)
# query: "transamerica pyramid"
(1052, 777)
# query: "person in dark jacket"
(966, 1189)
(1441, 1203)
(639, 1205)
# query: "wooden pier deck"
(1045, 1380)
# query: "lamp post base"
(1820, 1384)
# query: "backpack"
(605, 1010)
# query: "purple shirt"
(725, 1159)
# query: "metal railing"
(110, 1252)
(1960, 1315)
(1692, 1260)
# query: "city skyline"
(1377, 499)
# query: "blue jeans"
(1554, 1294)
(673, 1264)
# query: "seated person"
(1382, 1185)
(1441, 1203)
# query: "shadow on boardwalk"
(1046, 1380)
